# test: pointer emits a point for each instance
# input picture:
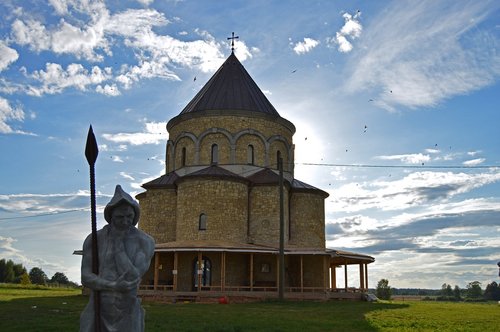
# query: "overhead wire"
(303, 164)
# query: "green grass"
(55, 310)
(15, 291)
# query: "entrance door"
(205, 271)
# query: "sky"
(396, 106)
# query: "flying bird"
(194, 79)
(293, 71)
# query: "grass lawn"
(59, 310)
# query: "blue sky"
(396, 105)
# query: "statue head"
(121, 198)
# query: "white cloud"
(414, 158)
(350, 30)
(31, 33)
(304, 47)
(417, 55)
(7, 56)
(65, 38)
(9, 113)
(127, 176)
(155, 133)
(145, 2)
(88, 29)
(136, 23)
(109, 90)
(54, 79)
(6, 245)
(415, 189)
(474, 162)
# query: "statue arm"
(143, 259)
(93, 281)
(134, 267)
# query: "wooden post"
(251, 271)
(223, 271)
(157, 263)
(366, 275)
(361, 276)
(198, 274)
(175, 271)
(301, 273)
(277, 272)
(345, 276)
(333, 272)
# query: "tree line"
(13, 273)
(472, 292)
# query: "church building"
(215, 213)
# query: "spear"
(91, 153)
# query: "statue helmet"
(121, 197)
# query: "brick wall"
(224, 203)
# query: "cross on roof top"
(232, 41)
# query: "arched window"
(215, 154)
(278, 158)
(202, 222)
(205, 271)
(250, 155)
(183, 156)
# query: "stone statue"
(124, 254)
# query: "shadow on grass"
(264, 316)
(62, 313)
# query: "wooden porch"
(204, 272)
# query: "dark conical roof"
(231, 88)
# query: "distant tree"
(19, 271)
(9, 274)
(383, 290)
(2, 269)
(25, 279)
(59, 278)
(492, 291)
(474, 290)
(457, 293)
(37, 276)
(446, 290)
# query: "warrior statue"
(124, 255)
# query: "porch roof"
(227, 246)
(340, 257)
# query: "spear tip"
(91, 150)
